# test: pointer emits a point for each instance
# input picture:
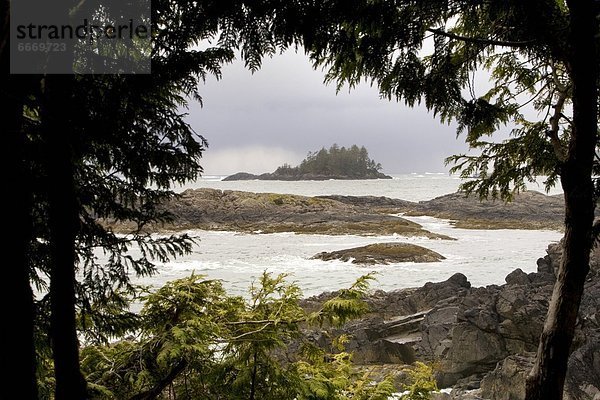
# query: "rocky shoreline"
(211, 209)
(481, 339)
(528, 210)
(228, 210)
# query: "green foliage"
(347, 304)
(351, 162)
(423, 383)
(336, 379)
(194, 341)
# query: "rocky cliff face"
(481, 338)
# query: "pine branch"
(486, 42)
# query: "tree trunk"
(18, 358)
(253, 377)
(63, 222)
(19, 361)
(546, 380)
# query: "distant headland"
(333, 163)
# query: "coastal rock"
(383, 253)
(487, 333)
(229, 210)
(392, 331)
(475, 332)
(583, 375)
(507, 380)
(528, 210)
(517, 277)
(213, 209)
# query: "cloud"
(256, 122)
(253, 159)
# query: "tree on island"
(352, 162)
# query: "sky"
(257, 122)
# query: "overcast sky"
(256, 122)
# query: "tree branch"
(488, 42)
(555, 118)
(157, 389)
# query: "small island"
(382, 254)
(333, 163)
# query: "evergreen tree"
(194, 341)
(107, 146)
(539, 54)
(337, 161)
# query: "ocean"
(237, 259)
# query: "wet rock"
(383, 253)
(528, 210)
(392, 331)
(507, 380)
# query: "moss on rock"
(382, 253)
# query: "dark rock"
(460, 280)
(469, 383)
(488, 331)
(517, 277)
(507, 381)
(241, 176)
(583, 376)
(392, 331)
(368, 215)
(528, 210)
(383, 253)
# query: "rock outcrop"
(270, 212)
(483, 336)
(528, 210)
(213, 209)
(383, 253)
(228, 210)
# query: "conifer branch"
(483, 41)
